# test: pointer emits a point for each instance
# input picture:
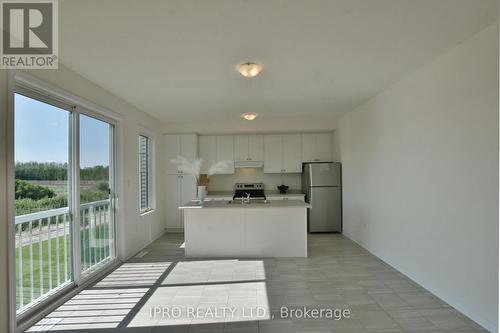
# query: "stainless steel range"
(252, 191)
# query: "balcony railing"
(44, 248)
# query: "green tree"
(26, 190)
(57, 171)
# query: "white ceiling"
(176, 59)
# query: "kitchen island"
(236, 229)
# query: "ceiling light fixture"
(249, 69)
(249, 116)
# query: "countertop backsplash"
(254, 175)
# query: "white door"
(187, 193)
(241, 147)
(172, 198)
(292, 153)
(255, 147)
(208, 151)
(324, 147)
(188, 189)
(172, 150)
(225, 152)
(308, 147)
(273, 154)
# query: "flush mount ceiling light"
(249, 116)
(249, 69)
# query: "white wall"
(135, 231)
(420, 176)
(336, 146)
(251, 175)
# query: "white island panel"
(246, 232)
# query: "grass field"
(51, 277)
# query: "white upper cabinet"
(184, 145)
(308, 147)
(292, 151)
(189, 146)
(240, 147)
(256, 147)
(273, 154)
(248, 148)
(208, 151)
(317, 147)
(282, 153)
(225, 152)
(215, 148)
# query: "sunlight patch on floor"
(134, 274)
(91, 309)
(212, 271)
(204, 304)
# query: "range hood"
(248, 164)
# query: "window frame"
(151, 198)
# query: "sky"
(42, 134)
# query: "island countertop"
(195, 204)
(269, 194)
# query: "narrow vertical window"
(144, 173)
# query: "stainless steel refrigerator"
(321, 183)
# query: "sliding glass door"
(64, 170)
(96, 182)
(42, 225)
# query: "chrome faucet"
(248, 197)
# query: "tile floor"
(161, 291)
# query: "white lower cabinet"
(179, 190)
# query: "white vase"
(202, 193)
